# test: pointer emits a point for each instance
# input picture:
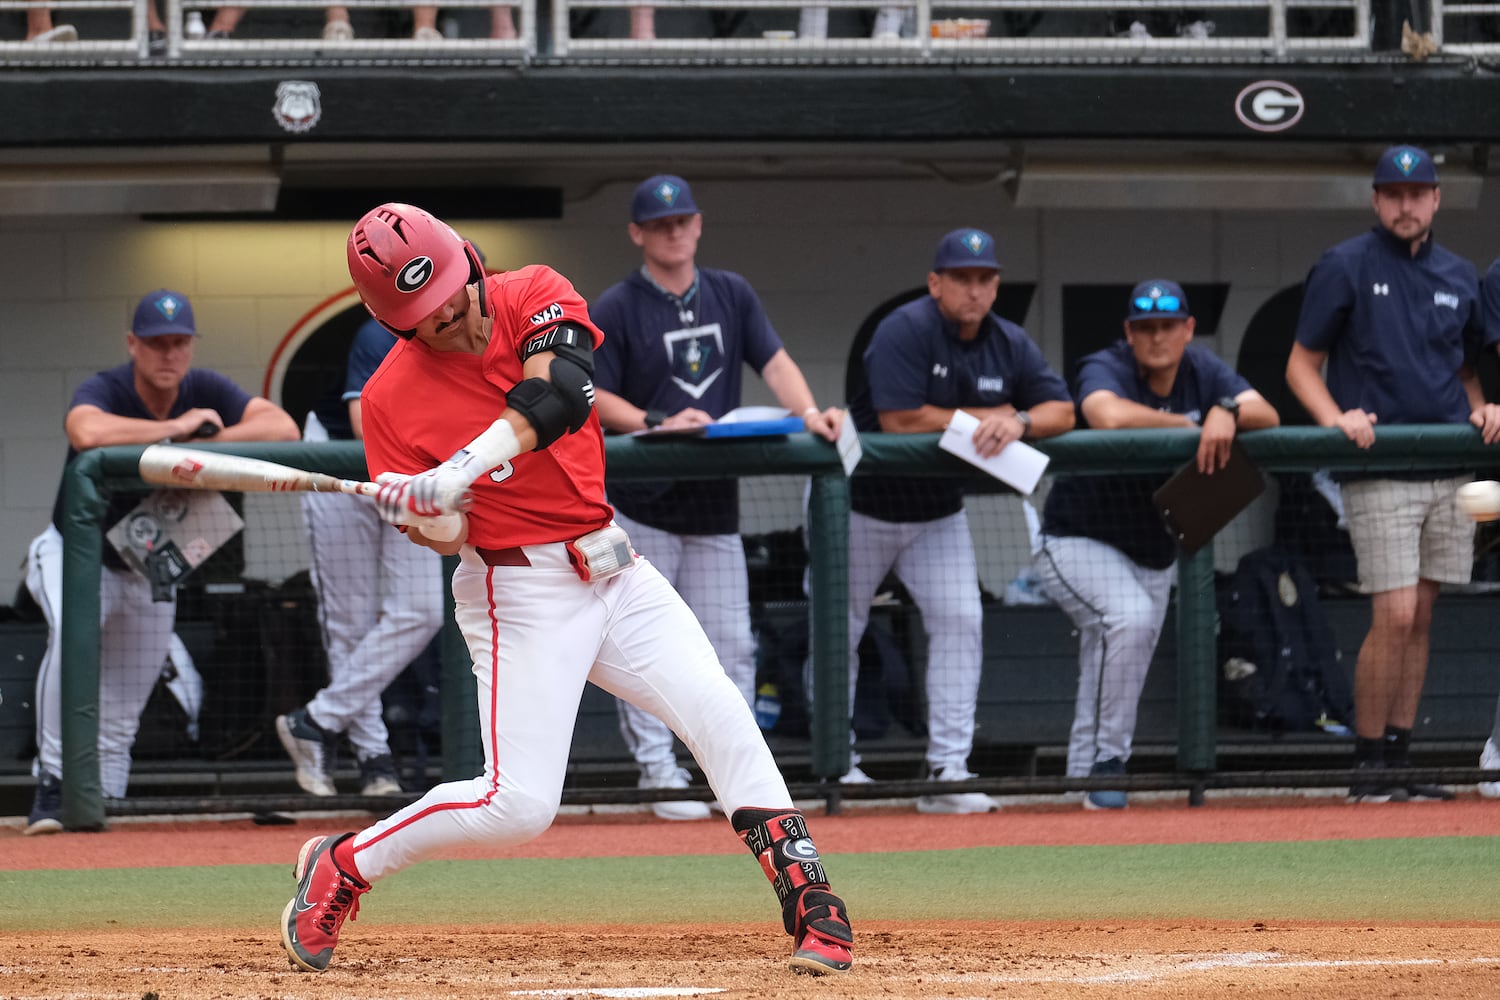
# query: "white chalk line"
(1169, 966)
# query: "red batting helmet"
(406, 263)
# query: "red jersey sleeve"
(530, 301)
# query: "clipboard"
(1196, 507)
(743, 428)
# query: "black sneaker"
(156, 42)
(377, 776)
(1422, 793)
(46, 807)
(1106, 798)
(1373, 788)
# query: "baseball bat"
(187, 468)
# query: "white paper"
(747, 414)
(848, 445)
(1018, 465)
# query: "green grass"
(1406, 880)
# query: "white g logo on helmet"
(416, 273)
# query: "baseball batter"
(677, 340)
(1105, 556)
(496, 372)
(157, 396)
(380, 602)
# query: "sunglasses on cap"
(1162, 303)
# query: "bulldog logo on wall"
(298, 105)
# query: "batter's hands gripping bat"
(187, 468)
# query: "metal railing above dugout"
(114, 32)
(1467, 28)
(982, 30)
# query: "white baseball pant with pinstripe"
(1118, 606)
(135, 633)
(935, 562)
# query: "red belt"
(513, 556)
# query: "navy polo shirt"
(1489, 297)
(1396, 328)
(668, 353)
(916, 358)
(372, 342)
(113, 391)
(1118, 510)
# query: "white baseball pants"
(380, 602)
(935, 562)
(1118, 606)
(537, 634)
(135, 633)
(709, 572)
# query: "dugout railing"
(1194, 763)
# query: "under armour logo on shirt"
(1382, 288)
(940, 370)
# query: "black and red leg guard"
(779, 840)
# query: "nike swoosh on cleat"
(300, 901)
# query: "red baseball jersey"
(422, 405)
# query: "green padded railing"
(95, 473)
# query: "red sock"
(343, 856)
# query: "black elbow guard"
(561, 405)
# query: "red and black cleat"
(824, 938)
(326, 895)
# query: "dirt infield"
(1071, 960)
(954, 961)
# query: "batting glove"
(393, 503)
(445, 489)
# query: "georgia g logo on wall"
(1269, 106)
(414, 275)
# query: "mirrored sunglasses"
(1162, 303)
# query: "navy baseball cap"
(1404, 165)
(965, 248)
(660, 196)
(161, 312)
(1157, 298)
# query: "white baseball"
(1480, 500)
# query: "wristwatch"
(654, 418)
(1231, 404)
(1025, 419)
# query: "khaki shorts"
(1405, 530)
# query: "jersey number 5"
(502, 472)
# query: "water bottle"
(767, 706)
(193, 26)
